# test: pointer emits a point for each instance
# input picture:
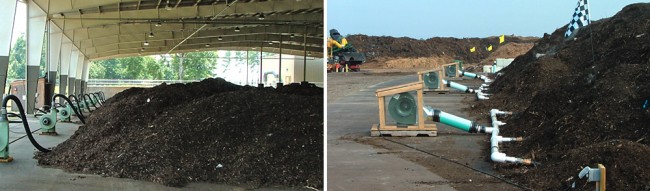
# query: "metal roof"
(103, 29)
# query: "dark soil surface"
(208, 131)
(575, 111)
(376, 47)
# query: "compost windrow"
(208, 131)
(578, 109)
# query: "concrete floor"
(388, 166)
(25, 174)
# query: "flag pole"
(591, 34)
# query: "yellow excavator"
(342, 57)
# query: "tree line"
(179, 66)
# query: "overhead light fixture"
(309, 54)
(261, 16)
(150, 34)
(146, 43)
(293, 35)
(270, 42)
(236, 29)
(142, 49)
(196, 50)
(220, 38)
(207, 45)
(254, 48)
(158, 24)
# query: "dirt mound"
(508, 50)
(210, 131)
(406, 63)
(380, 49)
(567, 102)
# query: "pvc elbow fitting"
(481, 97)
(498, 157)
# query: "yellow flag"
(502, 39)
(473, 49)
(489, 48)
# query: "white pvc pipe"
(497, 156)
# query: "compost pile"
(378, 48)
(575, 112)
(208, 131)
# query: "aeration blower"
(48, 119)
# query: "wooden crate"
(394, 130)
(450, 64)
(442, 88)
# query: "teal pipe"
(468, 74)
(457, 122)
(458, 86)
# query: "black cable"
(453, 161)
(23, 136)
(24, 118)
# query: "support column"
(72, 71)
(261, 83)
(84, 76)
(36, 20)
(55, 55)
(304, 69)
(279, 84)
(7, 15)
(77, 82)
(66, 53)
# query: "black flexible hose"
(81, 117)
(81, 113)
(99, 102)
(22, 116)
(91, 100)
(85, 102)
(101, 93)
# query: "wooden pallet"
(408, 131)
(7, 160)
(49, 133)
(413, 130)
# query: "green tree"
(17, 59)
(195, 65)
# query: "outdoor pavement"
(355, 166)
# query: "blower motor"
(403, 109)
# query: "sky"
(459, 18)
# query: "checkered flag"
(580, 18)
